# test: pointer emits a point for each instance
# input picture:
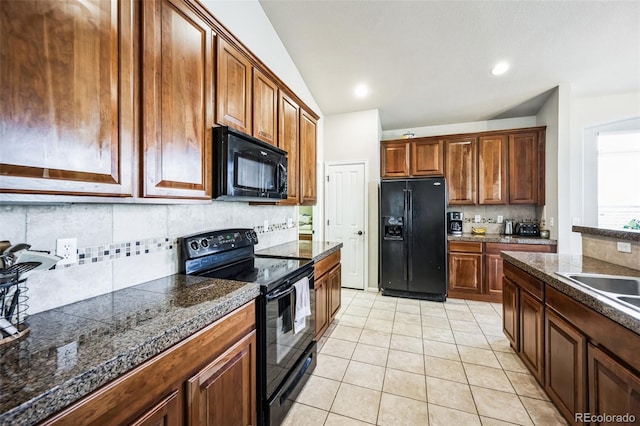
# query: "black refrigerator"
(413, 238)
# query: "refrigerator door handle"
(409, 214)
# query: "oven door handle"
(280, 293)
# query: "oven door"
(286, 343)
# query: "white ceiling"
(428, 62)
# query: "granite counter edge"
(76, 388)
(328, 252)
(501, 239)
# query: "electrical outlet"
(552, 221)
(67, 249)
(624, 247)
(500, 218)
(266, 225)
(289, 223)
(477, 218)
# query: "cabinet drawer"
(465, 246)
(538, 248)
(323, 266)
(524, 280)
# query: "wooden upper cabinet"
(233, 89)
(177, 115)
(524, 168)
(394, 159)
(265, 108)
(427, 157)
(308, 146)
(67, 104)
(492, 170)
(461, 156)
(289, 140)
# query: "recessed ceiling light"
(361, 90)
(500, 68)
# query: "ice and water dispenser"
(393, 227)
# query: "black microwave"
(247, 169)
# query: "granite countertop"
(621, 234)
(501, 238)
(75, 349)
(315, 250)
(545, 265)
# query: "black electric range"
(286, 353)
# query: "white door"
(346, 199)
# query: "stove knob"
(254, 235)
(204, 243)
(194, 245)
(248, 235)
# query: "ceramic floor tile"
(318, 392)
(303, 414)
(445, 369)
(499, 344)
(357, 402)
(477, 340)
(375, 338)
(330, 367)
(443, 416)
(358, 311)
(338, 420)
(450, 394)
(367, 295)
(454, 306)
(413, 330)
(365, 375)
(478, 356)
(511, 362)
(453, 314)
(397, 410)
(433, 312)
(382, 314)
(431, 304)
(351, 321)
(384, 306)
(466, 326)
(344, 332)
(370, 354)
(487, 377)
(406, 384)
(435, 322)
(542, 412)
(494, 319)
(409, 309)
(438, 334)
(379, 325)
(406, 343)
(487, 421)
(365, 303)
(441, 350)
(492, 329)
(339, 348)
(526, 385)
(406, 361)
(493, 403)
(481, 308)
(408, 318)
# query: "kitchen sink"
(625, 290)
(609, 283)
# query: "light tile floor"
(397, 361)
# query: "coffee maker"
(454, 223)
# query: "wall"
(471, 127)
(356, 136)
(123, 245)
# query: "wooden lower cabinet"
(328, 291)
(532, 334)
(465, 268)
(207, 379)
(565, 365)
(510, 313)
(613, 388)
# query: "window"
(619, 179)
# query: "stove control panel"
(212, 242)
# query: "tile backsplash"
(489, 216)
(124, 245)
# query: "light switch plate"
(500, 218)
(266, 225)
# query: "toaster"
(528, 229)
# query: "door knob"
(360, 232)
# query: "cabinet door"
(465, 272)
(427, 157)
(613, 388)
(532, 334)
(523, 168)
(166, 412)
(394, 159)
(335, 290)
(510, 309)
(308, 142)
(322, 305)
(565, 366)
(233, 88)
(460, 170)
(492, 170)
(67, 113)
(493, 273)
(289, 140)
(224, 392)
(265, 107)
